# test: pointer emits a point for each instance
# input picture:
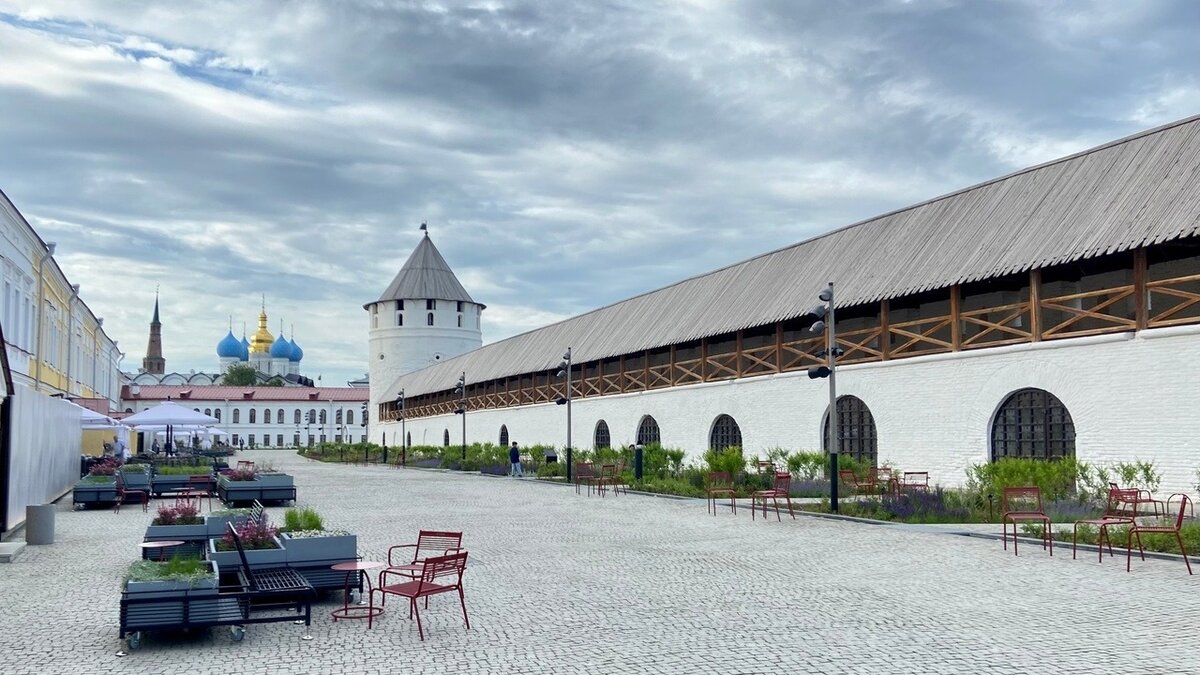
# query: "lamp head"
(825, 295)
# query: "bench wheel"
(134, 641)
(238, 633)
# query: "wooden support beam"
(955, 322)
(779, 347)
(1141, 309)
(704, 359)
(1035, 305)
(622, 380)
(646, 370)
(885, 333)
(671, 373)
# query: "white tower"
(423, 317)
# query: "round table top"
(160, 544)
(357, 566)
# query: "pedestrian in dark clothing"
(514, 458)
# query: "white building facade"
(1052, 312)
(274, 417)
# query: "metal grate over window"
(856, 431)
(503, 435)
(1034, 424)
(647, 432)
(446, 438)
(601, 438)
(725, 433)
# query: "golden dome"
(261, 341)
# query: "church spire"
(154, 363)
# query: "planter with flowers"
(260, 541)
(246, 485)
(181, 522)
(99, 486)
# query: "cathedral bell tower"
(154, 363)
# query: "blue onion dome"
(297, 353)
(229, 347)
(281, 349)
(245, 355)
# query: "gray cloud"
(566, 155)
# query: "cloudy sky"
(565, 154)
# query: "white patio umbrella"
(169, 413)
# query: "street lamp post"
(461, 390)
(823, 319)
(564, 370)
(403, 434)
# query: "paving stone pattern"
(559, 583)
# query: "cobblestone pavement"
(559, 583)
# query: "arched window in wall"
(856, 431)
(322, 417)
(267, 416)
(217, 414)
(429, 319)
(237, 416)
(312, 416)
(1034, 424)
(208, 411)
(279, 418)
(601, 437)
(446, 438)
(296, 417)
(725, 434)
(252, 415)
(337, 417)
(349, 417)
(647, 431)
(503, 435)
(408, 440)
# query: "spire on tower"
(155, 319)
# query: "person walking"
(514, 458)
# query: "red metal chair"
(782, 487)
(123, 493)
(1137, 497)
(1136, 530)
(198, 488)
(1024, 505)
(585, 474)
(850, 480)
(442, 574)
(720, 485)
(430, 543)
(915, 480)
(245, 464)
(1114, 514)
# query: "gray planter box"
(216, 525)
(195, 538)
(167, 602)
(88, 494)
(275, 488)
(275, 480)
(172, 483)
(320, 550)
(257, 558)
(136, 480)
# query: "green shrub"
(730, 460)
(552, 470)
(1056, 478)
(301, 518)
(808, 465)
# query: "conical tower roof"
(425, 275)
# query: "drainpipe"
(71, 334)
(37, 349)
